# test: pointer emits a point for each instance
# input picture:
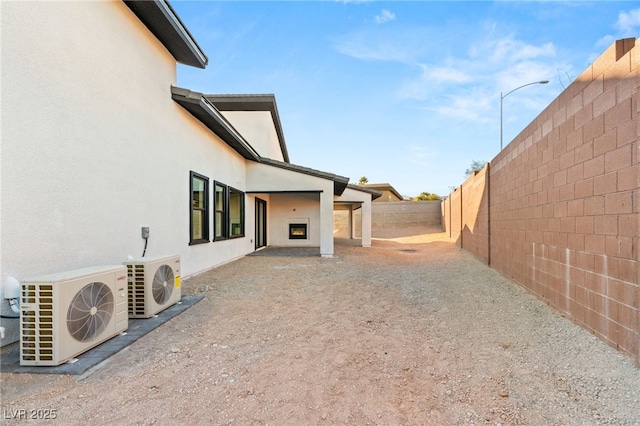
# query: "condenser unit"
(66, 314)
(154, 284)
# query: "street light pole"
(505, 95)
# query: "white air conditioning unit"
(66, 314)
(154, 284)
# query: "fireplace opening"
(297, 231)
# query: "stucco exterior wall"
(565, 203)
(131, 168)
(257, 128)
(346, 205)
(264, 178)
(294, 208)
(94, 148)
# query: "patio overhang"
(355, 196)
(340, 183)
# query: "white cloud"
(406, 44)
(419, 152)
(462, 78)
(421, 87)
(523, 72)
(380, 45)
(471, 106)
(382, 51)
(385, 16)
(508, 49)
(628, 23)
(445, 74)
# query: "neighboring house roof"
(202, 109)
(383, 187)
(160, 18)
(374, 194)
(266, 102)
(339, 182)
(206, 112)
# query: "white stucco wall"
(294, 208)
(352, 199)
(261, 177)
(258, 129)
(93, 147)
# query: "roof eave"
(374, 194)
(203, 110)
(160, 18)
(383, 187)
(261, 102)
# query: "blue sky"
(404, 92)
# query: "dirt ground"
(409, 331)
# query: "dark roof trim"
(266, 102)
(382, 187)
(206, 112)
(160, 18)
(355, 204)
(339, 182)
(286, 192)
(211, 117)
(374, 194)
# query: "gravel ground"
(410, 331)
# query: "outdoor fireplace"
(297, 231)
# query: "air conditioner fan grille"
(163, 282)
(90, 311)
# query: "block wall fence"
(558, 210)
(390, 215)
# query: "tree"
(363, 180)
(476, 166)
(426, 196)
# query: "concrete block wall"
(452, 214)
(388, 215)
(565, 204)
(465, 215)
(475, 223)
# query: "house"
(389, 193)
(99, 142)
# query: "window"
(220, 220)
(199, 206)
(236, 213)
(229, 212)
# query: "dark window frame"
(204, 223)
(230, 225)
(222, 211)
